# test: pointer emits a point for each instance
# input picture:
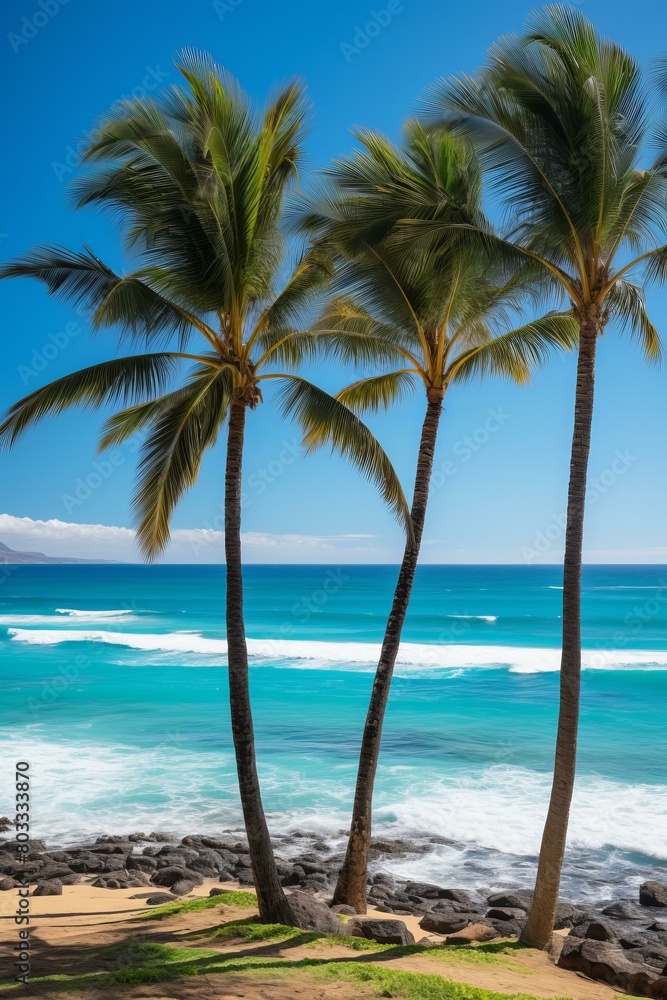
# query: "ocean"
(114, 689)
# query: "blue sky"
(501, 467)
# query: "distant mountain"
(8, 555)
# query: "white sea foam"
(76, 613)
(63, 614)
(86, 789)
(479, 618)
(310, 655)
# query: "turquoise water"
(114, 688)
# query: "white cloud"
(206, 545)
(188, 545)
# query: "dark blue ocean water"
(114, 688)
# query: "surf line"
(22, 846)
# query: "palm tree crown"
(559, 118)
(441, 313)
(199, 181)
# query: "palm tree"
(198, 179)
(559, 118)
(435, 318)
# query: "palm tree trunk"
(353, 877)
(539, 927)
(273, 905)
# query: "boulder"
(211, 859)
(462, 898)
(117, 847)
(172, 874)
(220, 843)
(173, 860)
(653, 954)
(314, 868)
(7, 883)
(312, 915)
(183, 887)
(204, 870)
(381, 878)
(631, 940)
(21, 868)
(623, 909)
(292, 878)
(5, 824)
(53, 887)
(519, 900)
(342, 909)
(607, 962)
(183, 854)
(159, 897)
(382, 931)
(385, 846)
(51, 871)
(597, 930)
(567, 916)
(506, 913)
(70, 879)
(120, 880)
(653, 894)
(453, 898)
(142, 863)
(86, 863)
(480, 931)
(424, 890)
(446, 923)
(36, 845)
(216, 892)
(64, 857)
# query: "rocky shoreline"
(622, 942)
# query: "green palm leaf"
(324, 420)
(120, 380)
(517, 353)
(183, 428)
(378, 392)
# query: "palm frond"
(82, 279)
(324, 420)
(378, 392)
(518, 352)
(181, 433)
(120, 380)
(627, 304)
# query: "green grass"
(408, 985)
(499, 953)
(230, 897)
(251, 930)
(150, 962)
